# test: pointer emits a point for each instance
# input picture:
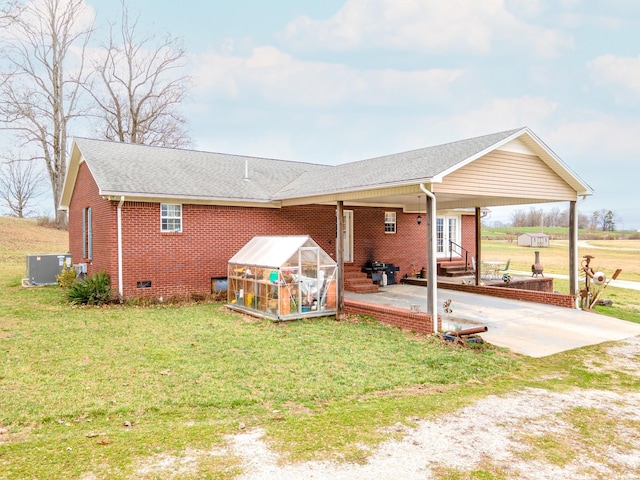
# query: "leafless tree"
(41, 78)
(20, 183)
(138, 87)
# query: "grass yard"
(102, 392)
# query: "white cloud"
(616, 71)
(427, 26)
(277, 77)
(602, 139)
(501, 114)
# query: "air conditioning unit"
(81, 270)
(42, 269)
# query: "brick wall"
(407, 246)
(85, 194)
(468, 235)
(417, 322)
(184, 263)
(557, 299)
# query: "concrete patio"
(531, 329)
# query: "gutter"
(120, 287)
(432, 278)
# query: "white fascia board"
(134, 197)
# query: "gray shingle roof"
(398, 168)
(122, 168)
(138, 170)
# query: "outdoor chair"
(505, 269)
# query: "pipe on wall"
(120, 283)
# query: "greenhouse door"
(347, 236)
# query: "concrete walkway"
(528, 328)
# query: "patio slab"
(532, 329)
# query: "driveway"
(528, 328)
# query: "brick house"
(164, 222)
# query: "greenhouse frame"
(282, 278)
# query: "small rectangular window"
(389, 222)
(170, 217)
(144, 284)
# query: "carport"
(507, 168)
(531, 329)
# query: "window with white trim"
(389, 222)
(170, 217)
(87, 233)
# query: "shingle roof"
(129, 169)
(398, 168)
(144, 171)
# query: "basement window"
(144, 284)
(170, 217)
(389, 222)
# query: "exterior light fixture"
(419, 217)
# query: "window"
(87, 234)
(170, 217)
(389, 222)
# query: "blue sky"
(338, 80)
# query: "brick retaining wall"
(557, 299)
(400, 317)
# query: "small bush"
(67, 277)
(93, 290)
(44, 221)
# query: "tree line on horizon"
(603, 219)
(57, 78)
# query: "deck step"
(454, 269)
(355, 280)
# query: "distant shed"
(533, 240)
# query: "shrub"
(93, 290)
(67, 277)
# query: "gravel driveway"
(528, 434)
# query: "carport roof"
(411, 167)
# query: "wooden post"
(573, 249)
(340, 315)
(478, 245)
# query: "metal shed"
(282, 278)
(533, 240)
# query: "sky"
(333, 81)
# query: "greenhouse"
(283, 278)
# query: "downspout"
(120, 287)
(432, 278)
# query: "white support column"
(340, 315)
(573, 251)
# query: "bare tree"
(20, 183)
(138, 87)
(39, 90)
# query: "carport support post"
(573, 250)
(478, 272)
(340, 259)
(432, 277)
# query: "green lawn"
(94, 392)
